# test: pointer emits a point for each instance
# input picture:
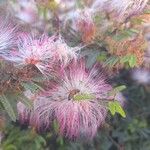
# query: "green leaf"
(41, 140)
(115, 107)
(32, 86)
(111, 61)
(117, 89)
(120, 37)
(131, 31)
(124, 34)
(132, 61)
(80, 4)
(60, 140)
(125, 59)
(79, 97)
(11, 147)
(38, 79)
(111, 107)
(147, 11)
(120, 88)
(56, 126)
(102, 57)
(8, 107)
(134, 30)
(137, 21)
(98, 18)
(119, 109)
(27, 102)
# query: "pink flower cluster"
(7, 34)
(127, 8)
(76, 100)
(118, 10)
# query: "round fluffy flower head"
(7, 34)
(25, 10)
(46, 53)
(64, 53)
(24, 113)
(33, 51)
(85, 24)
(126, 8)
(76, 103)
(120, 10)
(100, 5)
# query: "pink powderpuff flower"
(86, 25)
(82, 21)
(24, 113)
(64, 53)
(27, 13)
(25, 10)
(7, 34)
(33, 51)
(99, 4)
(127, 8)
(86, 14)
(41, 119)
(120, 10)
(77, 102)
(46, 53)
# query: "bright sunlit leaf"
(115, 107)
